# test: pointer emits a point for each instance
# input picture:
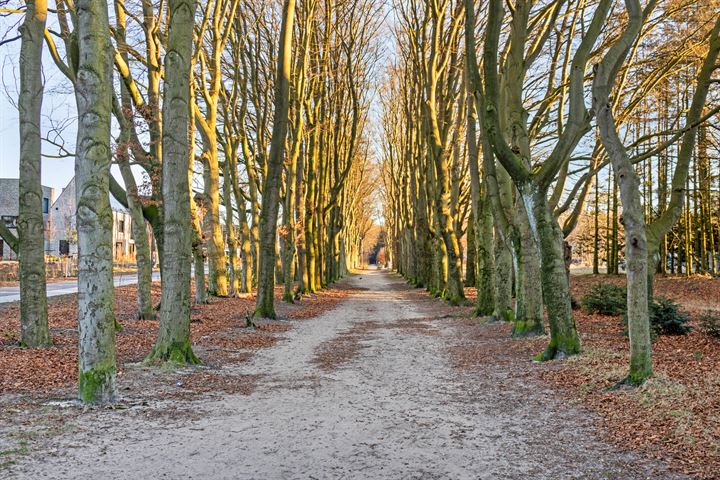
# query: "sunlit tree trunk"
(265, 306)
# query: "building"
(60, 226)
(10, 206)
(62, 233)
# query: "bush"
(605, 298)
(710, 324)
(666, 319)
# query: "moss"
(456, 300)
(177, 353)
(506, 315)
(523, 328)
(485, 306)
(637, 377)
(560, 348)
(265, 310)
(97, 385)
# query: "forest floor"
(376, 381)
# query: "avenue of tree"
(505, 128)
(225, 117)
(503, 121)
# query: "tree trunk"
(471, 256)
(528, 319)
(564, 340)
(173, 342)
(146, 309)
(96, 316)
(288, 250)
(217, 269)
(232, 244)
(636, 246)
(34, 331)
(198, 254)
(503, 255)
(265, 306)
(143, 260)
(486, 261)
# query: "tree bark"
(173, 342)
(143, 257)
(34, 331)
(636, 247)
(265, 305)
(96, 316)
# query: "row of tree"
(269, 128)
(500, 118)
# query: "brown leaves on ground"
(674, 417)
(345, 347)
(218, 330)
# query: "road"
(395, 407)
(12, 294)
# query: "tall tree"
(173, 342)
(265, 304)
(638, 249)
(34, 331)
(93, 94)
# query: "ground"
(372, 379)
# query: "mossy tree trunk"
(481, 219)
(232, 242)
(96, 316)
(528, 319)
(533, 182)
(34, 331)
(173, 342)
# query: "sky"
(58, 104)
(59, 114)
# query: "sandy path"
(398, 410)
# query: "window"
(121, 226)
(64, 247)
(46, 205)
(10, 221)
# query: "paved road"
(12, 294)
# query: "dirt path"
(390, 406)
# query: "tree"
(34, 331)
(93, 94)
(265, 305)
(637, 247)
(173, 342)
(124, 114)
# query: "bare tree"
(34, 331)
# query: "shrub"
(666, 319)
(605, 298)
(710, 324)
